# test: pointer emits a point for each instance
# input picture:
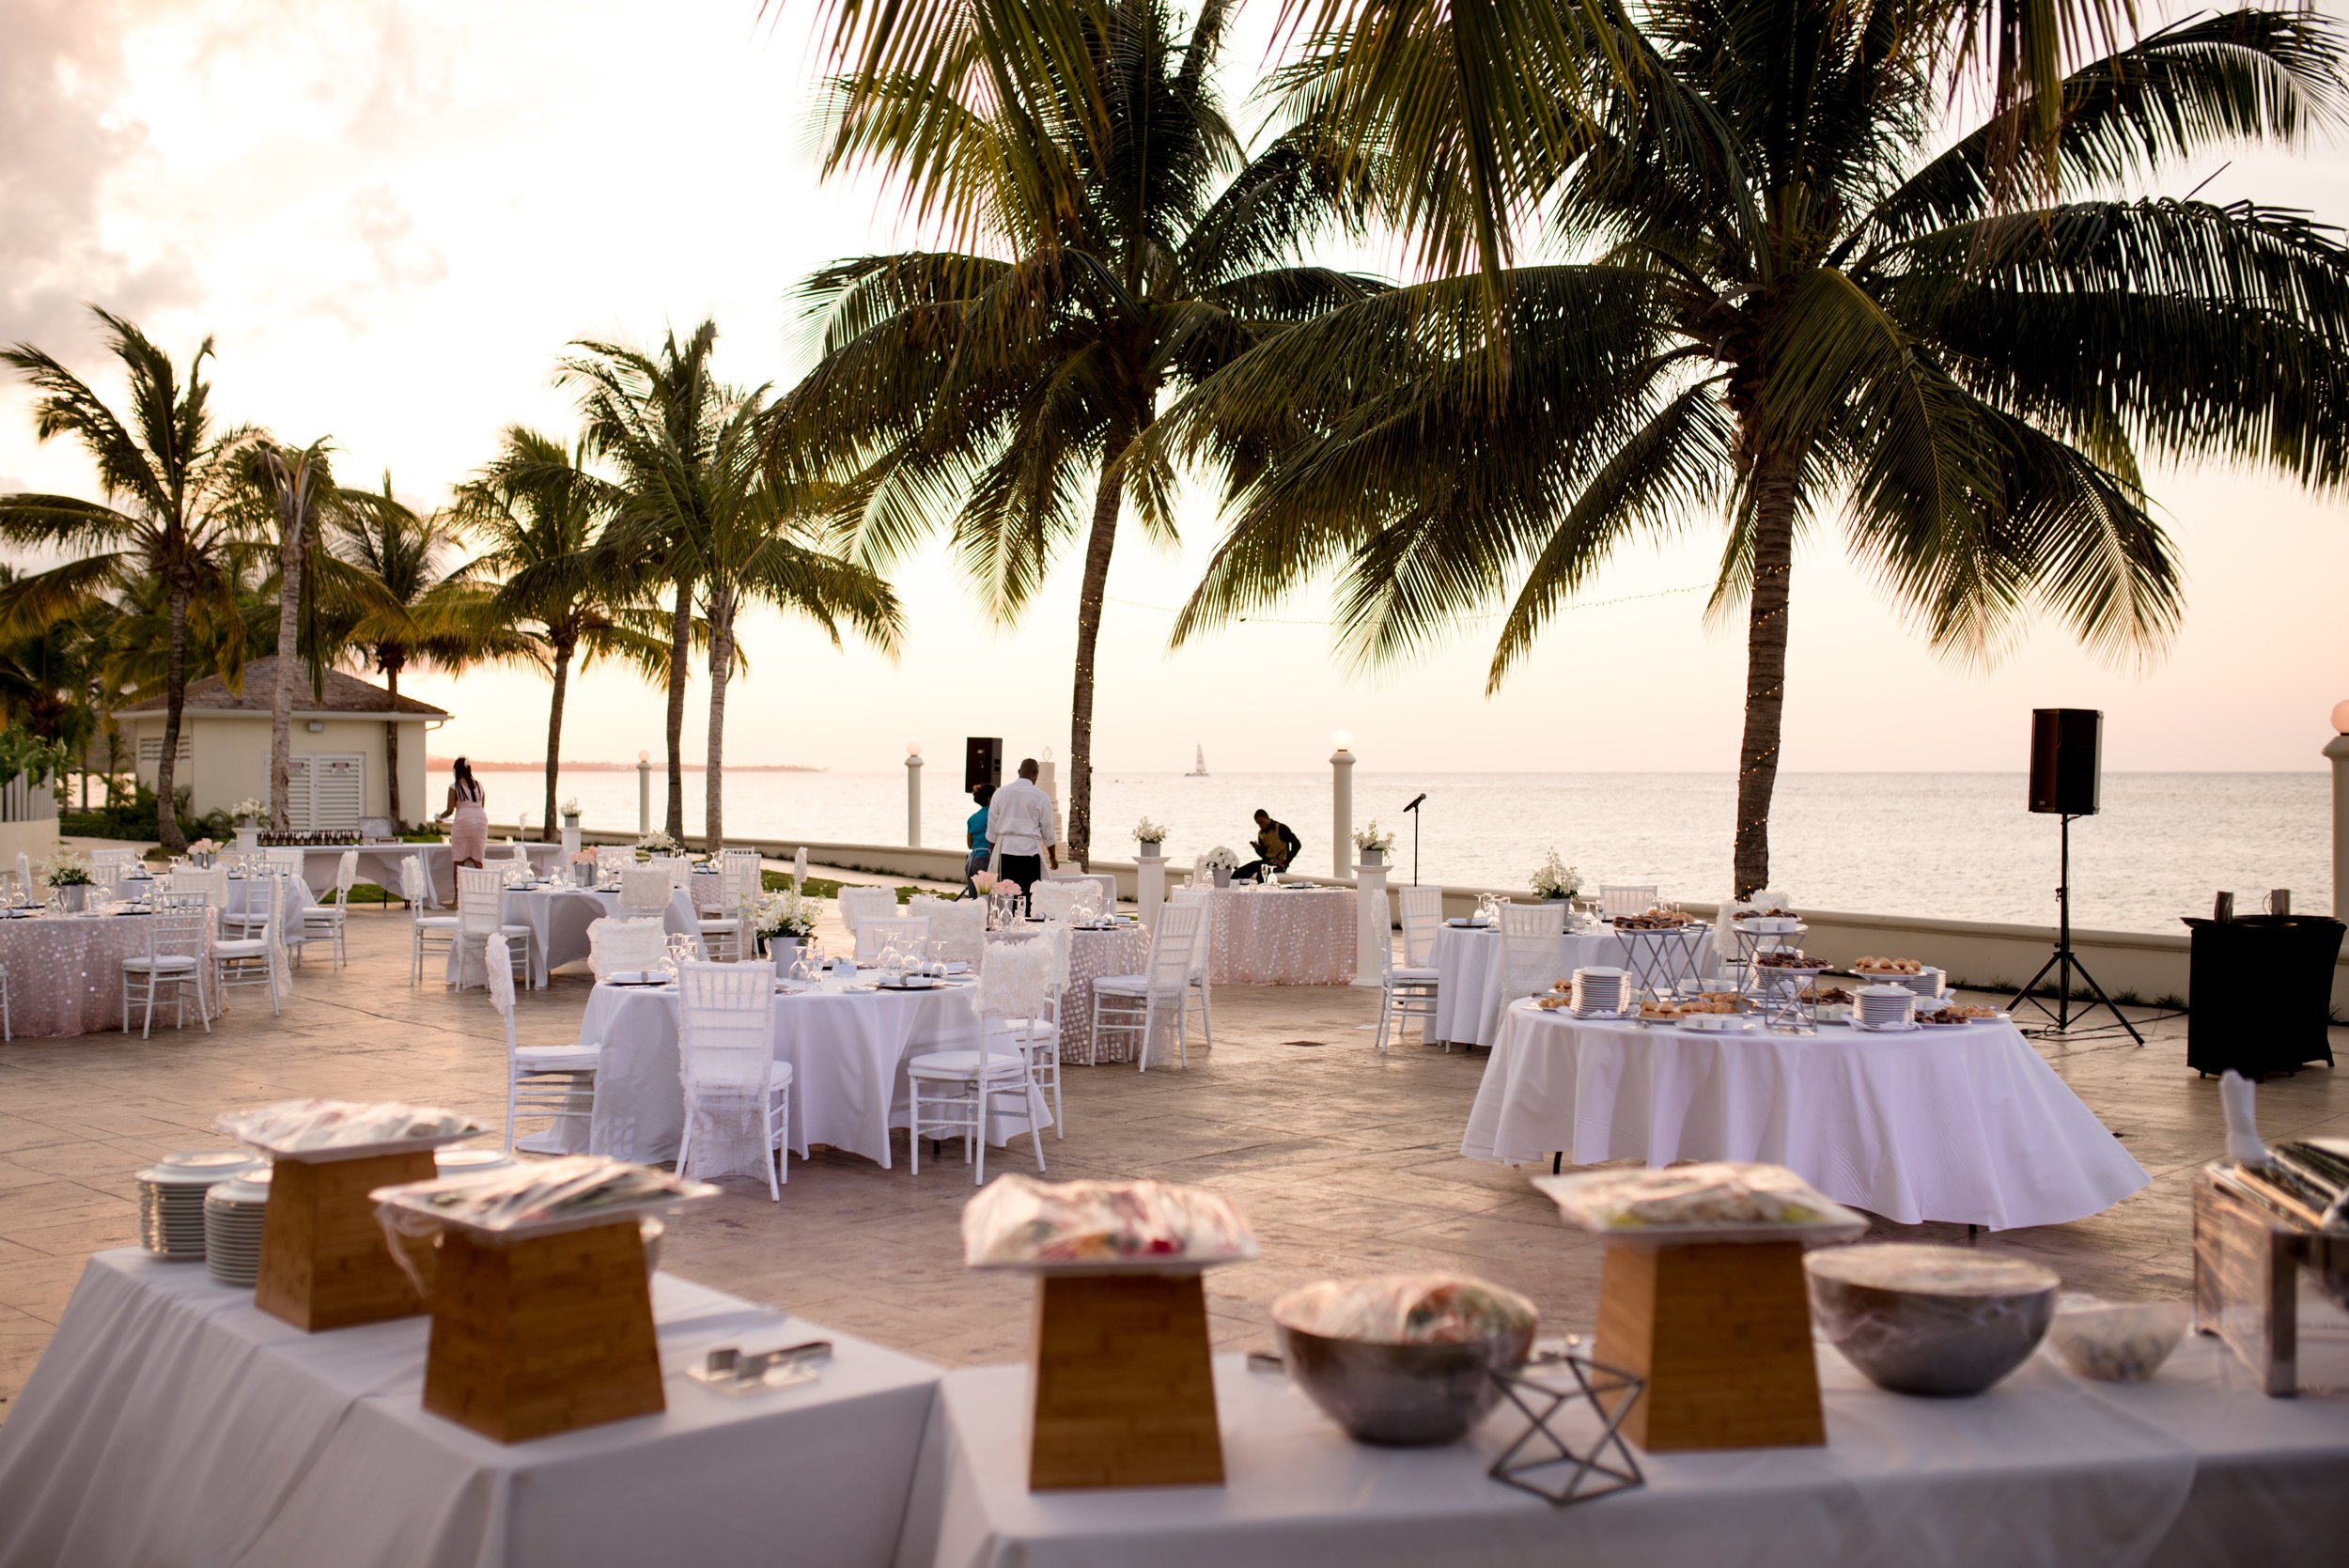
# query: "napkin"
(2240, 1096)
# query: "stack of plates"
(468, 1162)
(171, 1199)
(1598, 989)
(233, 1215)
(1884, 1007)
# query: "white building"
(341, 746)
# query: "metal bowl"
(1403, 1395)
(1939, 1321)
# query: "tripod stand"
(2063, 962)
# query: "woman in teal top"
(974, 839)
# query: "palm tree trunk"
(1099, 546)
(554, 731)
(391, 745)
(680, 653)
(289, 548)
(721, 656)
(1774, 480)
(175, 702)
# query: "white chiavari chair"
(1408, 988)
(481, 915)
(426, 933)
(725, 1049)
(252, 957)
(1133, 1003)
(175, 936)
(858, 904)
(953, 1092)
(555, 1082)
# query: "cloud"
(383, 224)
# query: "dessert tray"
(1714, 1201)
(318, 1131)
(545, 1197)
(1131, 1227)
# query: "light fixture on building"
(314, 726)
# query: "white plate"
(1909, 1027)
(1717, 1023)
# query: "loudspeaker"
(2066, 758)
(982, 763)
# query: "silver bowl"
(1401, 1395)
(1939, 1321)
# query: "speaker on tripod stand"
(2066, 768)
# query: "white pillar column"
(571, 838)
(1149, 888)
(1341, 805)
(914, 795)
(644, 793)
(1374, 924)
(2338, 750)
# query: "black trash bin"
(2263, 993)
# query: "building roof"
(344, 693)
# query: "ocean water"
(1954, 844)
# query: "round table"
(65, 973)
(1092, 953)
(1469, 989)
(848, 1044)
(1281, 936)
(1964, 1124)
(558, 915)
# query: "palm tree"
(537, 512)
(170, 481)
(294, 489)
(1793, 305)
(428, 605)
(653, 417)
(1113, 244)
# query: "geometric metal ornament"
(1588, 1473)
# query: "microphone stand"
(1413, 809)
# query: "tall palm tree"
(293, 489)
(168, 477)
(538, 513)
(428, 607)
(1111, 245)
(653, 417)
(1792, 305)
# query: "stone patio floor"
(1348, 1163)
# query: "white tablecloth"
(65, 975)
(379, 863)
(172, 1424)
(1967, 1126)
(558, 918)
(1467, 961)
(1091, 956)
(1283, 937)
(848, 1048)
(2039, 1473)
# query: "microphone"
(1415, 800)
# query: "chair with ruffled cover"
(617, 946)
(725, 1050)
(960, 923)
(954, 1091)
(860, 903)
(645, 890)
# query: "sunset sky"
(393, 216)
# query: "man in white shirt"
(1019, 826)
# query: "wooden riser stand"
(1722, 1331)
(324, 1264)
(543, 1335)
(1124, 1384)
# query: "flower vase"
(1223, 877)
(1148, 849)
(1374, 857)
(73, 897)
(584, 876)
(783, 950)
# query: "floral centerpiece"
(1372, 843)
(784, 916)
(248, 811)
(656, 843)
(1150, 835)
(1217, 863)
(66, 876)
(984, 881)
(1555, 879)
(570, 811)
(584, 867)
(203, 852)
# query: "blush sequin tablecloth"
(65, 973)
(1282, 936)
(1091, 956)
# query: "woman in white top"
(468, 816)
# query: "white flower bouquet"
(785, 912)
(65, 869)
(570, 807)
(1218, 859)
(1555, 878)
(658, 843)
(248, 810)
(1147, 831)
(1367, 836)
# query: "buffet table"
(1092, 953)
(170, 1422)
(65, 974)
(1282, 936)
(2196, 1469)
(1967, 1126)
(378, 864)
(846, 1043)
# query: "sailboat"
(1199, 767)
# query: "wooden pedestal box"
(1124, 1384)
(324, 1262)
(1722, 1331)
(544, 1334)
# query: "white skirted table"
(1092, 953)
(1966, 1126)
(1282, 936)
(2196, 1469)
(65, 973)
(558, 915)
(847, 1045)
(172, 1424)
(1469, 979)
(379, 863)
